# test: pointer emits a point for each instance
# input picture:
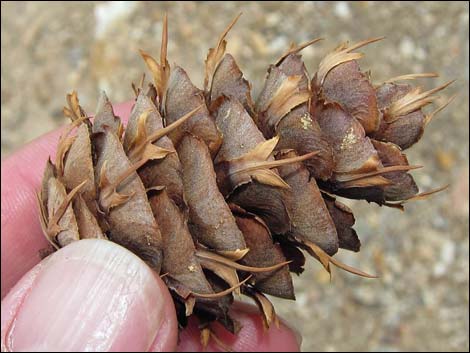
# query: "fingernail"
(92, 295)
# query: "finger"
(22, 237)
(92, 295)
(253, 337)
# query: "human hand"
(93, 294)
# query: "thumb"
(92, 295)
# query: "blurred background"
(421, 300)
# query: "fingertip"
(90, 295)
(253, 336)
(123, 110)
(11, 304)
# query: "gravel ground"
(421, 300)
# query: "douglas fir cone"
(219, 193)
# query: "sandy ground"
(421, 300)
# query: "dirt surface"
(421, 301)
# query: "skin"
(25, 279)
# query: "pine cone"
(220, 194)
